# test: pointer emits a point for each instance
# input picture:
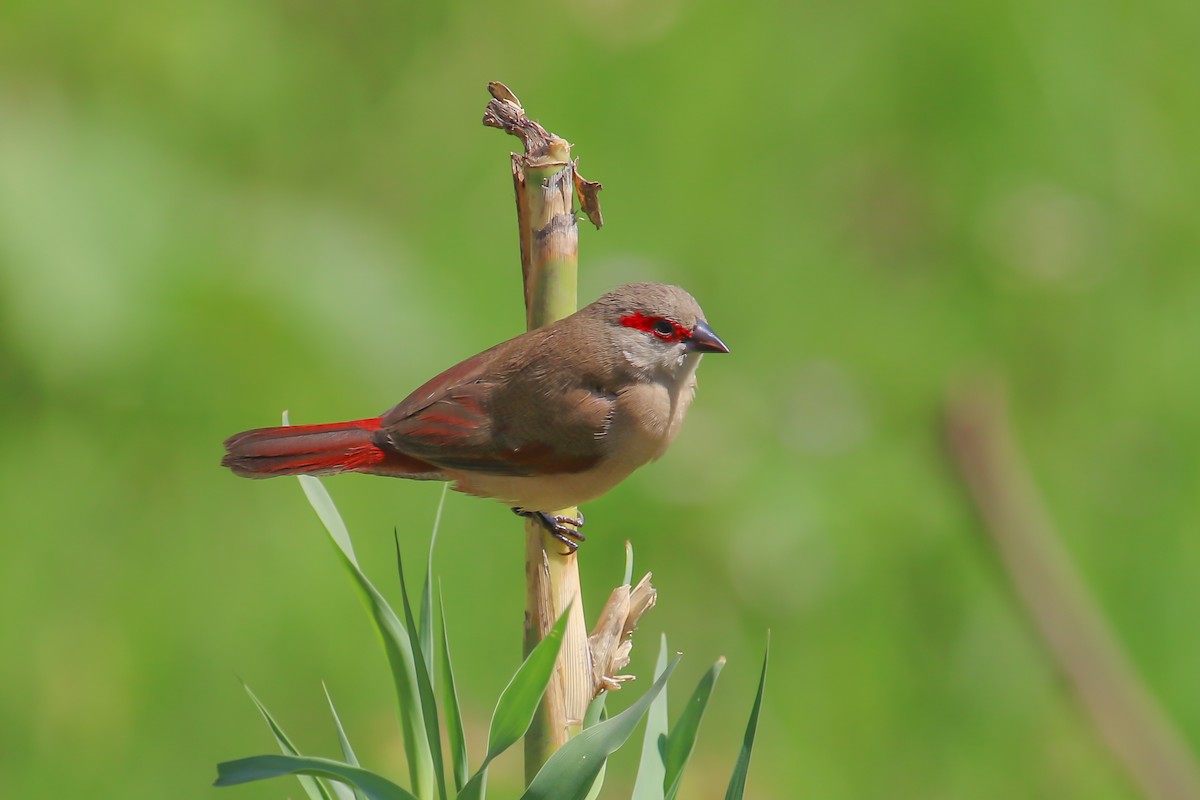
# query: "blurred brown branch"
(1072, 628)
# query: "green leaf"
(593, 715)
(323, 504)
(682, 738)
(628, 564)
(425, 613)
(597, 783)
(517, 704)
(257, 768)
(397, 644)
(433, 732)
(572, 770)
(476, 788)
(651, 774)
(519, 700)
(595, 710)
(312, 787)
(454, 725)
(344, 741)
(345, 791)
(737, 784)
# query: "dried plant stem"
(1075, 634)
(546, 185)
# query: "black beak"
(703, 340)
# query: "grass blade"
(257, 768)
(595, 710)
(597, 783)
(628, 564)
(652, 770)
(344, 741)
(345, 791)
(425, 612)
(594, 714)
(454, 725)
(682, 738)
(476, 788)
(517, 704)
(570, 773)
(737, 784)
(429, 714)
(519, 700)
(312, 787)
(397, 645)
(323, 504)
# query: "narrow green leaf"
(454, 725)
(323, 504)
(425, 613)
(737, 784)
(312, 787)
(517, 704)
(257, 768)
(433, 732)
(345, 791)
(597, 783)
(628, 563)
(682, 738)
(572, 770)
(651, 774)
(593, 715)
(397, 644)
(476, 788)
(519, 700)
(344, 741)
(595, 710)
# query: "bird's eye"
(659, 327)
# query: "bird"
(542, 422)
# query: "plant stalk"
(546, 185)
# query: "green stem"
(546, 185)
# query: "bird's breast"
(645, 421)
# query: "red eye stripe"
(657, 326)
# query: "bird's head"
(658, 328)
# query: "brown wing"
(488, 414)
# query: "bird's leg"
(559, 527)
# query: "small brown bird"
(545, 421)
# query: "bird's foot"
(565, 529)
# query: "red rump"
(660, 327)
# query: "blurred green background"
(213, 211)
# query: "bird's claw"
(565, 529)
